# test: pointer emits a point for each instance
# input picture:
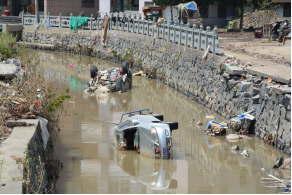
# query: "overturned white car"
(147, 134)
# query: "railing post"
(208, 29)
(22, 18)
(49, 16)
(139, 20)
(148, 27)
(134, 25)
(143, 30)
(112, 16)
(154, 19)
(164, 23)
(215, 34)
(180, 33)
(91, 16)
(174, 32)
(129, 18)
(200, 35)
(193, 35)
(98, 21)
(124, 15)
(169, 23)
(187, 34)
(60, 19)
(108, 26)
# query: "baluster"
(71, 14)
(143, 21)
(60, 19)
(129, 19)
(208, 29)
(180, 33)
(134, 24)
(200, 35)
(22, 18)
(139, 20)
(164, 23)
(148, 27)
(174, 31)
(98, 21)
(112, 16)
(154, 19)
(215, 34)
(91, 16)
(170, 23)
(193, 35)
(187, 34)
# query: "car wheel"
(125, 67)
(119, 84)
(93, 71)
(158, 116)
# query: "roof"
(154, 7)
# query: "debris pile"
(256, 19)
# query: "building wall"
(70, 6)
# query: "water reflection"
(201, 164)
(153, 173)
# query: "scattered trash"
(199, 123)
(138, 73)
(195, 61)
(206, 52)
(71, 65)
(245, 153)
(263, 169)
(234, 148)
(45, 133)
(269, 80)
(78, 71)
(36, 103)
(192, 121)
(210, 117)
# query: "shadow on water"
(201, 164)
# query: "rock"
(286, 99)
(244, 85)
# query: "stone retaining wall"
(229, 93)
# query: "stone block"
(244, 85)
(281, 89)
(286, 99)
(234, 70)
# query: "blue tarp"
(191, 6)
(209, 124)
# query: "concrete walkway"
(15, 145)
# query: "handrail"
(192, 36)
(140, 111)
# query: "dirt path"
(271, 58)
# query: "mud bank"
(228, 91)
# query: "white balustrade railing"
(190, 36)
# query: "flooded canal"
(92, 164)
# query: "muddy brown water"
(92, 164)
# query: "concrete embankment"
(23, 144)
(226, 90)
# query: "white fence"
(190, 36)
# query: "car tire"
(158, 116)
(119, 84)
(93, 71)
(125, 67)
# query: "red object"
(7, 13)
(258, 33)
(247, 46)
(26, 83)
(36, 103)
(71, 65)
(122, 72)
(115, 78)
(278, 84)
(94, 40)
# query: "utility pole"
(36, 12)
